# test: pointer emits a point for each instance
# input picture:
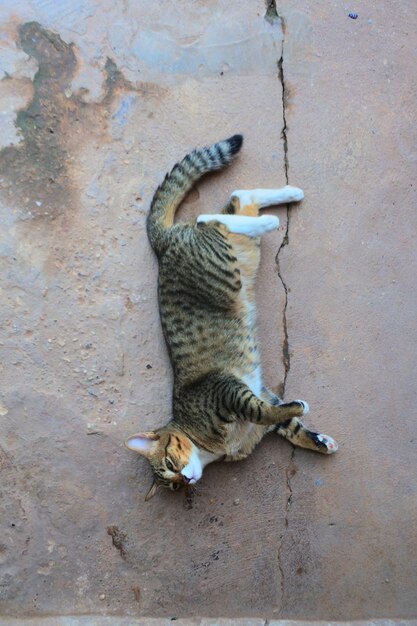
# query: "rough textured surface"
(94, 620)
(98, 100)
(351, 266)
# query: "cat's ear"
(152, 491)
(144, 443)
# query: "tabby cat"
(207, 271)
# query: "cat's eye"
(169, 465)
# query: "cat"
(207, 271)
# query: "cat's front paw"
(305, 406)
(295, 194)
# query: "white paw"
(305, 405)
(329, 442)
(295, 194)
(269, 222)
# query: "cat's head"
(172, 455)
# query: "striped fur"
(206, 290)
(180, 180)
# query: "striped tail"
(180, 180)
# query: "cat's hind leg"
(250, 201)
(243, 224)
(240, 215)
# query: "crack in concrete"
(289, 473)
(273, 17)
(284, 102)
(285, 348)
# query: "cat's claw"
(326, 444)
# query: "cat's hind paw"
(294, 194)
(325, 444)
(269, 222)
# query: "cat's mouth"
(189, 481)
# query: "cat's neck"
(198, 460)
(200, 457)
(201, 453)
(207, 457)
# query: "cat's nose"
(186, 479)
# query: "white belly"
(254, 381)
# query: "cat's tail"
(180, 180)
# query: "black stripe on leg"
(296, 428)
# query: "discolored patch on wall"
(36, 170)
(39, 175)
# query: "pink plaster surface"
(285, 534)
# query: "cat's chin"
(190, 481)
